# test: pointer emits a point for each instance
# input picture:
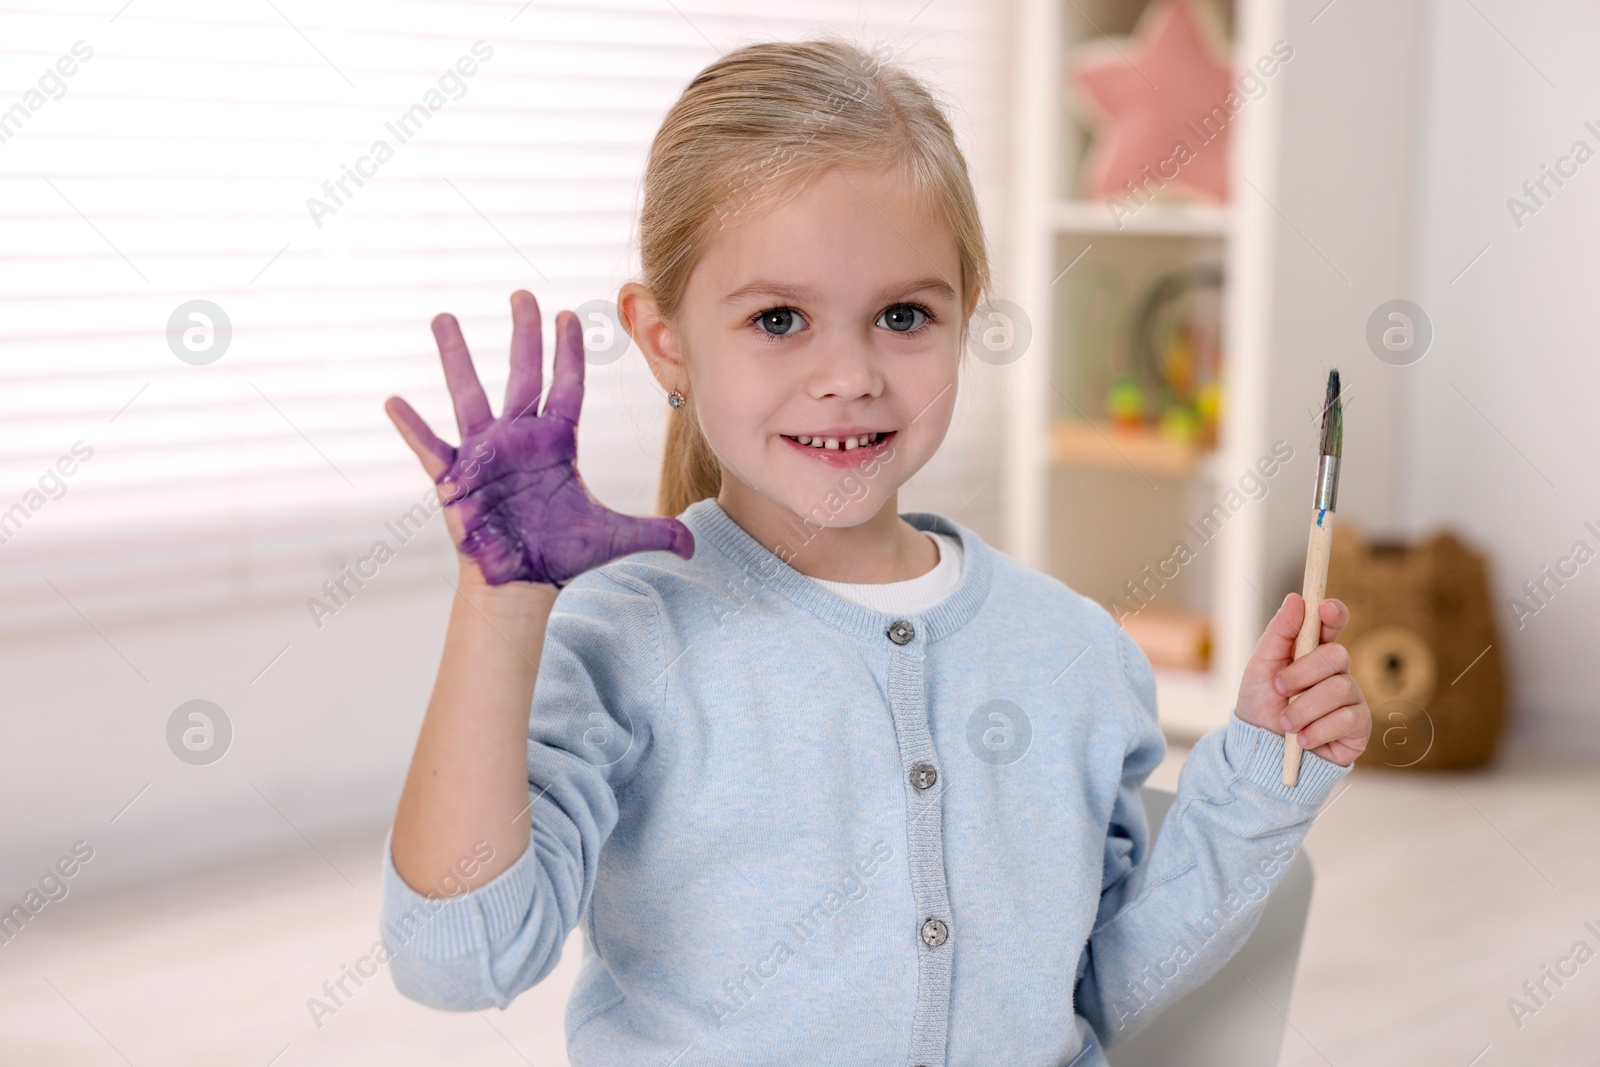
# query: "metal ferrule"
(1327, 482)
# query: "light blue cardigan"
(798, 833)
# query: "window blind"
(155, 154)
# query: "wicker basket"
(1423, 648)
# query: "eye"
(902, 318)
(777, 322)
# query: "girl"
(825, 782)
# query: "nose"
(846, 368)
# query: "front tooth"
(849, 443)
(832, 443)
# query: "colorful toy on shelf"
(1125, 403)
(1175, 358)
(1208, 405)
(1179, 423)
(1157, 106)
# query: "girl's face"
(819, 341)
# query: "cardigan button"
(934, 932)
(924, 775)
(900, 631)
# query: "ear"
(656, 337)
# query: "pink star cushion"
(1159, 109)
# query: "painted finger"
(566, 384)
(472, 406)
(650, 534)
(435, 455)
(527, 357)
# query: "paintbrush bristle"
(1332, 418)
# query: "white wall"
(1519, 475)
(1342, 193)
(1405, 125)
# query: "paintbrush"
(1316, 578)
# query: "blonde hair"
(763, 120)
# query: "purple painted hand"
(514, 501)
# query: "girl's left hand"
(1329, 712)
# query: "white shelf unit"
(1052, 228)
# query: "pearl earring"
(676, 399)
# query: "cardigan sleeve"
(1171, 916)
(595, 696)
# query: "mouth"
(845, 449)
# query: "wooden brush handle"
(1312, 589)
